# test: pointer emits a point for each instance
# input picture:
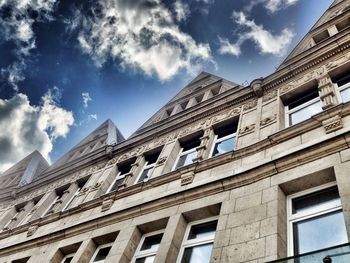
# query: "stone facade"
(68, 208)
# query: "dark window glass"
(319, 232)
(197, 254)
(227, 130)
(102, 254)
(205, 230)
(124, 169)
(303, 99)
(67, 260)
(315, 200)
(190, 144)
(151, 242)
(224, 146)
(152, 158)
(146, 174)
(149, 259)
(116, 184)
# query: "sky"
(67, 66)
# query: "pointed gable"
(201, 88)
(329, 24)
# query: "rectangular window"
(187, 153)
(303, 107)
(123, 169)
(21, 260)
(225, 139)
(59, 195)
(198, 242)
(68, 258)
(80, 184)
(344, 88)
(316, 220)
(148, 247)
(147, 170)
(101, 253)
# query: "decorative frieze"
(272, 94)
(187, 178)
(268, 120)
(250, 105)
(31, 230)
(333, 124)
(247, 129)
(107, 204)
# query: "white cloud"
(265, 41)
(272, 6)
(182, 10)
(25, 127)
(16, 24)
(86, 99)
(92, 117)
(140, 35)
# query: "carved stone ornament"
(31, 230)
(247, 129)
(333, 124)
(162, 160)
(95, 186)
(250, 105)
(268, 120)
(298, 82)
(107, 204)
(270, 95)
(335, 63)
(187, 178)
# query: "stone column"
(6, 216)
(41, 206)
(166, 158)
(21, 214)
(85, 252)
(135, 169)
(203, 150)
(169, 248)
(326, 91)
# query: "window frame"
(98, 248)
(146, 166)
(138, 253)
(288, 112)
(67, 256)
(66, 206)
(339, 89)
(51, 205)
(196, 242)
(217, 140)
(293, 218)
(182, 153)
(117, 177)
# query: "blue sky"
(66, 66)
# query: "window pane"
(102, 254)
(316, 200)
(309, 95)
(186, 159)
(345, 95)
(205, 230)
(67, 260)
(319, 232)
(151, 243)
(146, 174)
(116, 185)
(198, 254)
(305, 113)
(224, 146)
(149, 259)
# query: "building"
(222, 173)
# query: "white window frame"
(197, 242)
(146, 166)
(97, 250)
(51, 205)
(293, 218)
(118, 177)
(341, 88)
(288, 112)
(71, 199)
(67, 256)
(182, 153)
(218, 140)
(142, 254)
(4, 228)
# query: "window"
(148, 247)
(147, 170)
(316, 220)
(303, 107)
(225, 139)
(198, 242)
(67, 258)
(81, 184)
(59, 195)
(21, 260)
(101, 253)
(344, 88)
(187, 153)
(123, 169)
(18, 210)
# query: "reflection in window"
(198, 243)
(101, 253)
(316, 221)
(344, 88)
(303, 107)
(148, 247)
(187, 153)
(123, 169)
(225, 139)
(147, 170)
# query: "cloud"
(92, 117)
(86, 99)
(265, 41)
(272, 6)
(181, 10)
(141, 35)
(16, 24)
(25, 127)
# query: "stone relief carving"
(270, 95)
(250, 105)
(247, 129)
(335, 63)
(187, 178)
(162, 160)
(297, 82)
(268, 120)
(333, 124)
